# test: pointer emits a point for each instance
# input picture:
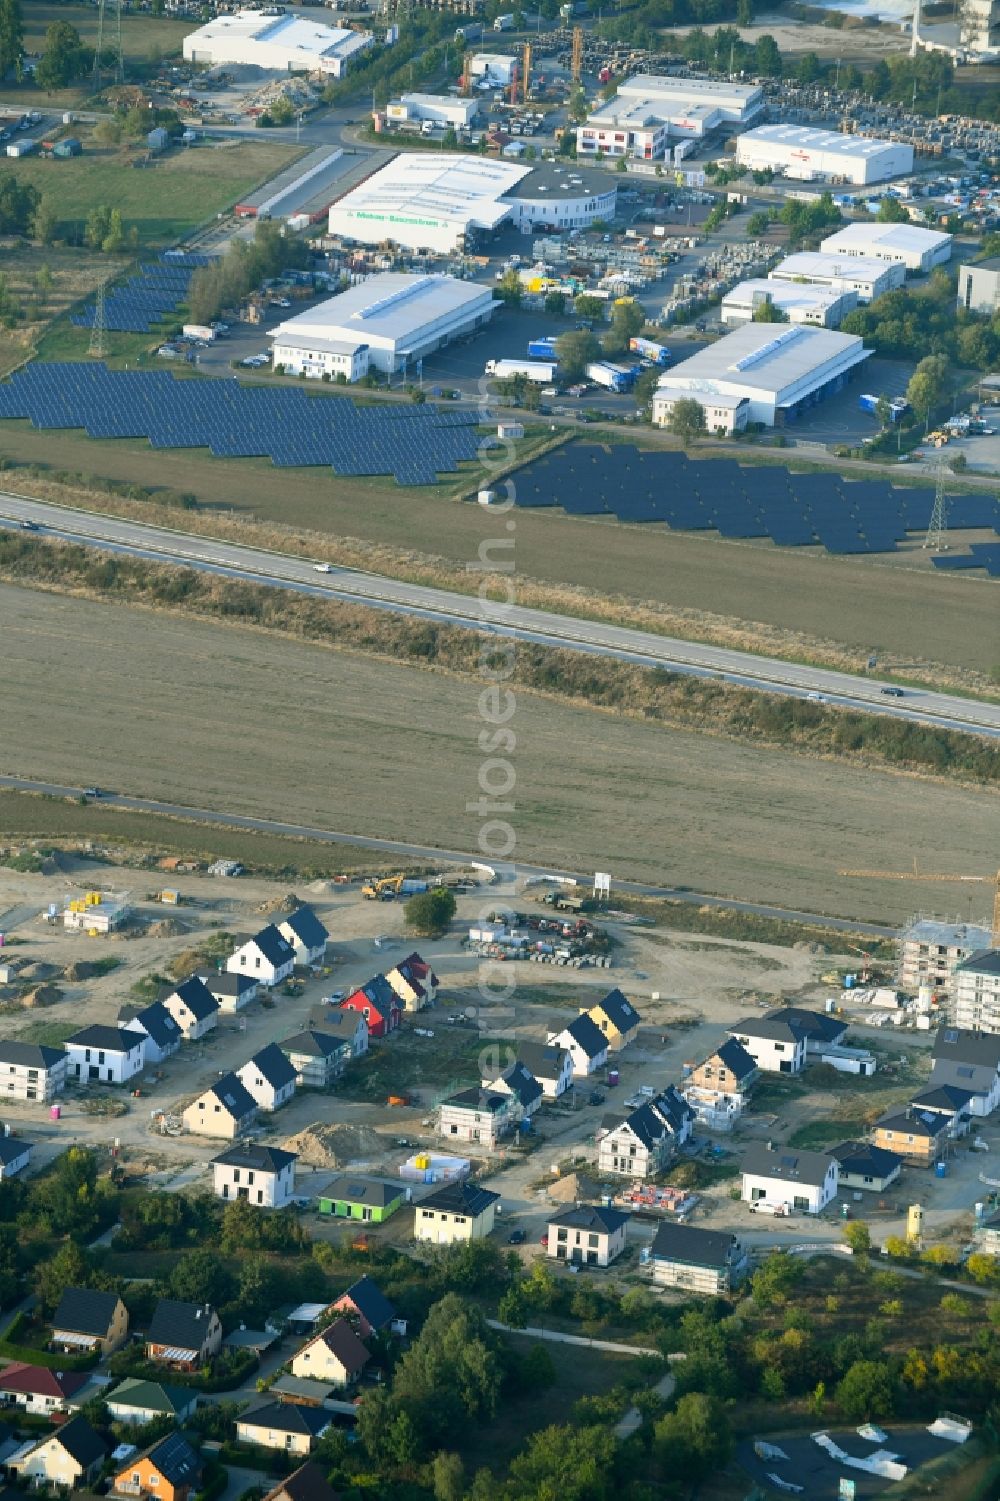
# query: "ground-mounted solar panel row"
(285, 424)
(137, 305)
(721, 495)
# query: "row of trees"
(245, 265)
(905, 324)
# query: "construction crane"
(378, 890)
(466, 75)
(577, 69)
(526, 74)
(920, 875)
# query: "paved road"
(425, 852)
(643, 647)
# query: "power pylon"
(937, 527)
(99, 328)
(119, 68)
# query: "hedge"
(11, 1350)
(215, 1481)
(249, 1457)
(236, 1372)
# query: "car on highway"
(892, 692)
(29, 526)
(92, 792)
(517, 1237)
(816, 698)
(322, 567)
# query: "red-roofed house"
(414, 982)
(378, 1003)
(38, 1390)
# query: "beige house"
(227, 1110)
(587, 1235)
(70, 1459)
(414, 982)
(283, 1425)
(336, 1356)
(88, 1320)
(455, 1212)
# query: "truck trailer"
(648, 349)
(612, 377)
(542, 349)
(542, 372)
(203, 332)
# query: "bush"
(430, 912)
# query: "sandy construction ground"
(851, 44)
(233, 719)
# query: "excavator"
(383, 890)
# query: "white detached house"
(585, 1043)
(269, 1078)
(105, 1055)
(306, 934)
(268, 957)
(193, 1007)
(793, 1182)
(262, 1175)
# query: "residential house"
(268, 957)
(955, 1104)
(69, 1459)
(976, 992)
(138, 1402)
(717, 1088)
(30, 1071)
(475, 1115)
(161, 1031)
(713, 1262)
(617, 1018)
(586, 1044)
(456, 1211)
(920, 1137)
(777, 1047)
(378, 1003)
(335, 1355)
(183, 1336)
(372, 1200)
(863, 1165)
(38, 1390)
(366, 1305)
(522, 1086)
(193, 1007)
(820, 1029)
(261, 1175)
(168, 1470)
(105, 1055)
(88, 1320)
(551, 1066)
(15, 1155)
(987, 1235)
(349, 1026)
(307, 936)
(231, 992)
(268, 1078)
(283, 1425)
(414, 982)
(225, 1109)
(969, 1060)
(318, 1058)
(307, 1483)
(587, 1234)
(801, 1182)
(642, 1143)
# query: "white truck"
(203, 332)
(543, 372)
(504, 23)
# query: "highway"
(425, 852)
(646, 648)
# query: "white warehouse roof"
(800, 301)
(274, 42)
(793, 140)
(392, 306)
(892, 241)
(775, 369)
(825, 266)
(735, 101)
(427, 198)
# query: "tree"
(63, 59)
(686, 419)
(448, 1477)
(565, 1464)
(510, 288)
(578, 108)
(449, 140)
(767, 311)
(115, 237)
(985, 1270)
(200, 1277)
(757, 223)
(11, 37)
(866, 1391)
(883, 411)
(18, 202)
(107, 131)
(280, 111)
(858, 1237)
(766, 57)
(97, 226)
(744, 12)
(430, 912)
(627, 320)
(69, 1267)
(555, 303)
(575, 350)
(808, 68)
(891, 211)
(44, 221)
(927, 385)
(587, 306)
(694, 1439)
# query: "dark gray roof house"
(693, 1246)
(945, 1099)
(370, 1302)
(522, 1084)
(274, 946)
(233, 986)
(257, 1157)
(587, 1035)
(314, 1043)
(157, 1023)
(307, 1483)
(287, 1417)
(81, 1442)
(787, 1164)
(864, 1165)
(107, 1039)
(196, 996)
(180, 1326)
(464, 1198)
(542, 1060)
(817, 1027)
(306, 927)
(30, 1055)
(968, 1060)
(594, 1218)
(85, 1310)
(736, 1058)
(984, 962)
(273, 1066)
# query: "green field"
(142, 35)
(165, 200)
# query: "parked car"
(517, 1237)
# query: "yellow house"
(69, 1459)
(280, 1425)
(617, 1018)
(336, 1356)
(455, 1212)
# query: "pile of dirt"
(573, 1188)
(35, 970)
(42, 995)
(280, 905)
(80, 969)
(322, 1145)
(167, 927)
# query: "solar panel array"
(980, 555)
(283, 423)
(794, 510)
(146, 299)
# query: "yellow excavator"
(388, 886)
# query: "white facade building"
(779, 374)
(777, 1047)
(979, 286)
(475, 1115)
(427, 200)
(397, 318)
(800, 1182)
(866, 276)
(916, 249)
(262, 1175)
(800, 152)
(976, 991)
(440, 109)
(648, 110)
(557, 196)
(299, 352)
(268, 1078)
(283, 44)
(493, 69)
(105, 1055)
(800, 303)
(931, 952)
(31, 1071)
(268, 957)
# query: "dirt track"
(229, 718)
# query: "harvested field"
(74, 274)
(759, 598)
(222, 717)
